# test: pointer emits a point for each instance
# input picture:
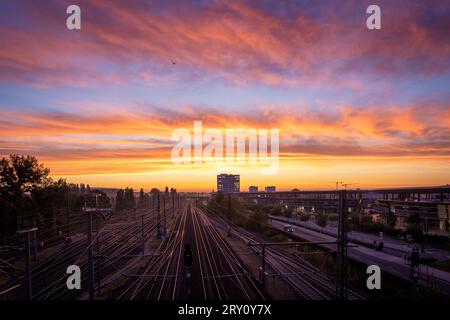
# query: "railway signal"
(158, 218)
(342, 243)
(187, 255)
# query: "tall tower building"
(228, 183)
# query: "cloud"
(317, 44)
(142, 138)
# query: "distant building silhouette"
(228, 183)
(270, 189)
(253, 189)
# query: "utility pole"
(413, 261)
(264, 245)
(34, 246)
(54, 220)
(158, 218)
(142, 234)
(90, 253)
(164, 216)
(28, 232)
(341, 284)
(173, 203)
(98, 251)
(263, 271)
(67, 215)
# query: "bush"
(333, 216)
(276, 211)
(376, 227)
(321, 220)
(278, 238)
(287, 212)
(416, 231)
(304, 216)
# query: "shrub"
(415, 230)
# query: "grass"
(443, 265)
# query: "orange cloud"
(349, 131)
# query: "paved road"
(393, 246)
(387, 262)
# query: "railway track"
(159, 277)
(117, 242)
(306, 280)
(216, 272)
(222, 273)
(114, 240)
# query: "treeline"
(249, 217)
(28, 196)
(126, 199)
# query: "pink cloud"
(241, 42)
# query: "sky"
(99, 105)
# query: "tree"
(20, 174)
(166, 194)
(219, 197)
(415, 229)
(120, 200)
(391, 220)
(99, 198)
(276, 211)
(154, 191)
(129, 198)
(321, 220)
(304, 216)
(51, 196)
(141, 201)
(257, 221)
(287, 212)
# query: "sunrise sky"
(99, 105)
